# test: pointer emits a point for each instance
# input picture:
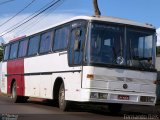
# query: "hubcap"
(14, 92)
(61, 97)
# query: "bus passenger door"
(75, 56)
(76, 46)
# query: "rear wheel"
(63, 104)
(14, 93)
(15, 97)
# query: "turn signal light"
(90, 76)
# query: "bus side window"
(61, 38)
(45, 44)
(33, 45)
(23, 48)
(6, 52)
(14, 49)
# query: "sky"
(145, 11)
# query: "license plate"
(123, 97)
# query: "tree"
(158, 51)
(1, 48)
(96, 8)
(1, 53)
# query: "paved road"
(34, 110)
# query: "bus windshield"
(121, 46)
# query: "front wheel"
(63, 104)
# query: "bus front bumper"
(122, 97)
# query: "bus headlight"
(102, 95)
(147, 99)
(95, 95)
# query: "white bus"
(85, 59)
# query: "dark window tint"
(45, 44)
(14, 48)
(33, 45)
(6, 52)
(61, 38)
(22, 48)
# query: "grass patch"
(3, 94)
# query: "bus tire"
(15, 97)
(23, 99)
(114, 108)
(63, 104)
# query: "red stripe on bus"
(16, 67)
(18, 38)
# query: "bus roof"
(105, 19)
(114, 20)
(101, 18)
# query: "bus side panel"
(4, 78)
(15, 71)
(45, 70)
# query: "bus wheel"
(114, 108)
(14, 93)
(15, 97)
(63, 104)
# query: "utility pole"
(96, 9)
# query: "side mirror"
(77, 45)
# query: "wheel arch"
(56, 87)
(12, 82)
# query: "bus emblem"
(125, 86)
